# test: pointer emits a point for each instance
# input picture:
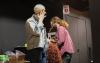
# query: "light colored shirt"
(37, 29)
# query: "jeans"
(66, 57)
(36, 55)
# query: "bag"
(60, 46)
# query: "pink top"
(62, 35)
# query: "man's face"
(43, 12)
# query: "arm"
(61, 35)
(30, 27)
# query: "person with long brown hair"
(63, 39)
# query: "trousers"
(66, 57)
(36, 55)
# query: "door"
(78, 31)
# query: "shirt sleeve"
(32, 28)
(40, 27)
(61, 35)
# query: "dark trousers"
(66, 57)
(36, 55)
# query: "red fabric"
(53, 54)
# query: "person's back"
(63, 38)
(65, 41)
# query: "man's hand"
(41, 16)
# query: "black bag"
(60, 46)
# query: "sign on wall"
(66, 9)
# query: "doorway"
(80, 31)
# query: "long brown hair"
(64, 23)
(61, 22)
(55, 19)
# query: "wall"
(95, 17)
(11, 33)
(13, 15)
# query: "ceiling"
(81, 5)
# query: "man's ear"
(40, 12)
